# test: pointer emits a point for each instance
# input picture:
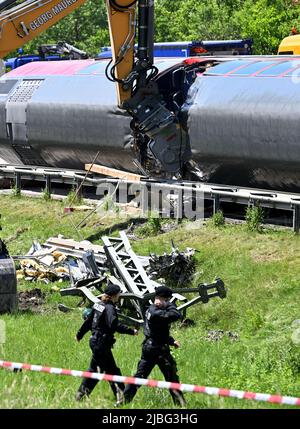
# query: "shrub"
(254, 218)
(218, 219)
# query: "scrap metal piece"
(206, 296)
(176, 268)
(218, 288)
(80, 291)
(124, 266)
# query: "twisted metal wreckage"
(128, 271)
(90, 267)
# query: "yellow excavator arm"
(122, 28)
(24, 21)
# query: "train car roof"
(261, 66)
(258, 67)
(76, 67)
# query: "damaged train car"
(241, 116)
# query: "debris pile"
(128, 270)
(46, 269)
(60, 259)
(89, 267)
(50, 264)
(176, 268)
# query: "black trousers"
(104, 360)
(151, 356)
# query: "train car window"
(295, 71)
(163, 65)
(252, 68)
(279, 69)
(226, 67)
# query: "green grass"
(261, 272)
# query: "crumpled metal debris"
(137, 288)
(176, 268)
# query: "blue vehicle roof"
(10, 62)
(229, 43)
(158, 48)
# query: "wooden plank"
(74, 245)
(113, 172)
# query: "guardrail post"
(18, 183)
(296, 219)
(216, 203)
(78, 188)
(48, 185)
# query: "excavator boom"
(22, 22)
(122, 28)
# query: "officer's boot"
(118, 389)
(178, 398)
(129, 393)
(82, 392)
(120, 400)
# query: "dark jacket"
(103, 322)
(157, 323)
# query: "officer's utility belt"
(103, 336)
(150, 342)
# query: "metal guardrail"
(214, 192)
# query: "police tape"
(238, 394)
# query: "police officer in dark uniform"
(103, 322)
(156, 346)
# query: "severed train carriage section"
(239, 117)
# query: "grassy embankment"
(261, 272)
